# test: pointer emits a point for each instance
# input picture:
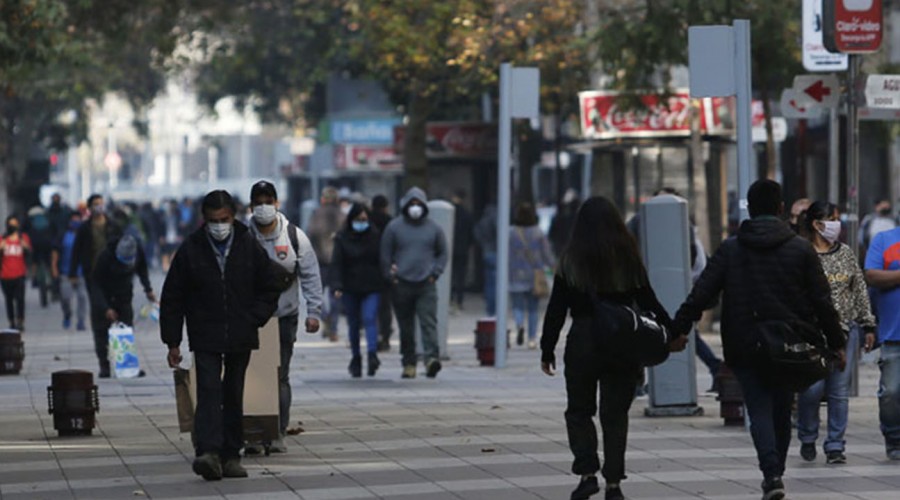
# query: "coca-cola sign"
(354, 157)
(455, 140)
(603, 117)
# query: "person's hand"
(73, 280)
(112, 315)
(431, 280)
(548, 367)
(151, 296)
(174, 357)
(312, 325)
(841, 359)
(869, 342)
(338, 294)
(678, 344)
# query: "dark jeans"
(218, 421)
(458, 280)
(287, 334)
(770, 420)
(706, 354)
(490, 283)
(14, 293)
(411, 301)
(362, 312)
(385, 317)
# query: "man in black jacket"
(767, 272)
(222, 285)
(113, 289)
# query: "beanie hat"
(126, 250)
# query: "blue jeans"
(490, 282)
(889, 395)
(520, 302)
(837, 388)
(706, 354)
(362, 311)
(770, 420)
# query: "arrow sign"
(817, 90)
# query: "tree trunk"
(770, 137)
(415, 159)
(529, 156)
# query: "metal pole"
(852, 155)
(503, 211)
(853, 177)
(834, 152)
(742, 79)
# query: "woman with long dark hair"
(14, 249)
(822, 227)
(600, 262)
(356, 279)
(529, 256)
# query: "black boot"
(374, 363)
(104, 369)
(520, 336)
(355, 367)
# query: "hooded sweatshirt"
(417, 247)
(768, 272)
(278, 245)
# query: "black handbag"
(791, 353)
(631, 336)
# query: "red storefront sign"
(455, 140)
(356, 157)
(602, 117)
(853, 26)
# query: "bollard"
(73, 401)
(484, 340)
(731, 399)
(12, 352)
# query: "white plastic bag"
(122, 354)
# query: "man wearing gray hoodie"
(295, 253)
(413, 256)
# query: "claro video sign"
(853, 26)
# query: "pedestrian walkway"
(472, 433)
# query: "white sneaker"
(278, 446)
(532, 345)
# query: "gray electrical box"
(665, 239)
(444, 214)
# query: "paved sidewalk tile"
(473, 433)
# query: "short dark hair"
(91, 198)
(263, 188)
(216, 200)
(379, 202)
(764, 198)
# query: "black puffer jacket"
(223, 313)
(355, 263)
(766, 268)
(112, 286)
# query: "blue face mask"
(360, 225)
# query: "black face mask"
(11, 228)
(886, 212)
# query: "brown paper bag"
(183, 401)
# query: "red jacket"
(12, 263)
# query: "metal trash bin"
(12, 352)
(731, 398)
(73, 401)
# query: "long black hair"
(601, 255)
(819, 210)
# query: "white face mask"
(220, 231)
(415, 212)
(832, 230)
(264, 214)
